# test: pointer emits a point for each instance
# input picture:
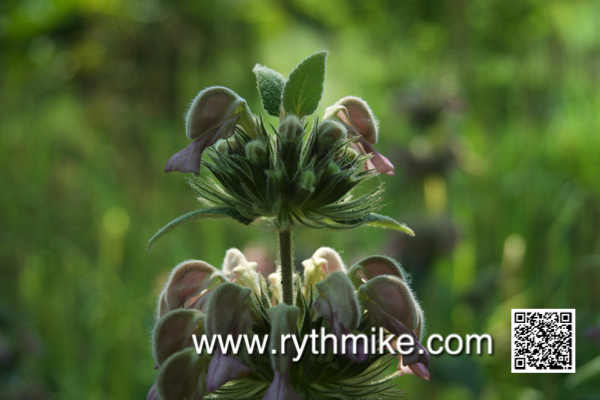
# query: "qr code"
(543, 340)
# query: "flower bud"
(283, 322)
(308, 180)
(276, 290)
(222, 146)
(330, 133)
(332, 168)
(290, 129)
(323, 262)
(348, 152)
(256, 152)
(240, 271)
(152, 395)
(417, 369)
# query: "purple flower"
(356, 115)
(182, 376)
(224, 368)
(338, 304)
(187, 285)
(283, 322)
(214, 114)
(391, 305)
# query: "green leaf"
(304, 88)
(383, 221)
(270, 85)
(205, 213)
(372, 219)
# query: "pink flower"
(283, 322)
(338, 304)
(214, 114)
(356, 115)
(391, 305)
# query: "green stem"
(287, 265)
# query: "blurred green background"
(489, 109)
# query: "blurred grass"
(489, 110)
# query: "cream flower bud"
(322, 263)
(240, 271)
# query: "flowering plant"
(290, 176)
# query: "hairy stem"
(287, 265)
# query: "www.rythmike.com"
(321, 343)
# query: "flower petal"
(210, 109)
(357, 114)
(373, 266)
(241, 272)
(380, 163)
(187, 280)
(283, 322)
(323, 262)
(389, 296)
(152, 395)
(338, 304)
(228, 310)
(224, 368)
(417, 369)
(183, 375)
(173, 332)
(189, 159)
(333, 259)
(281, 388)
(162, 307)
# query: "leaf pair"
(300, 94)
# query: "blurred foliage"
(488, 108)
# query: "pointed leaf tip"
(383, 221)
(205, 213)
(304, 88)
